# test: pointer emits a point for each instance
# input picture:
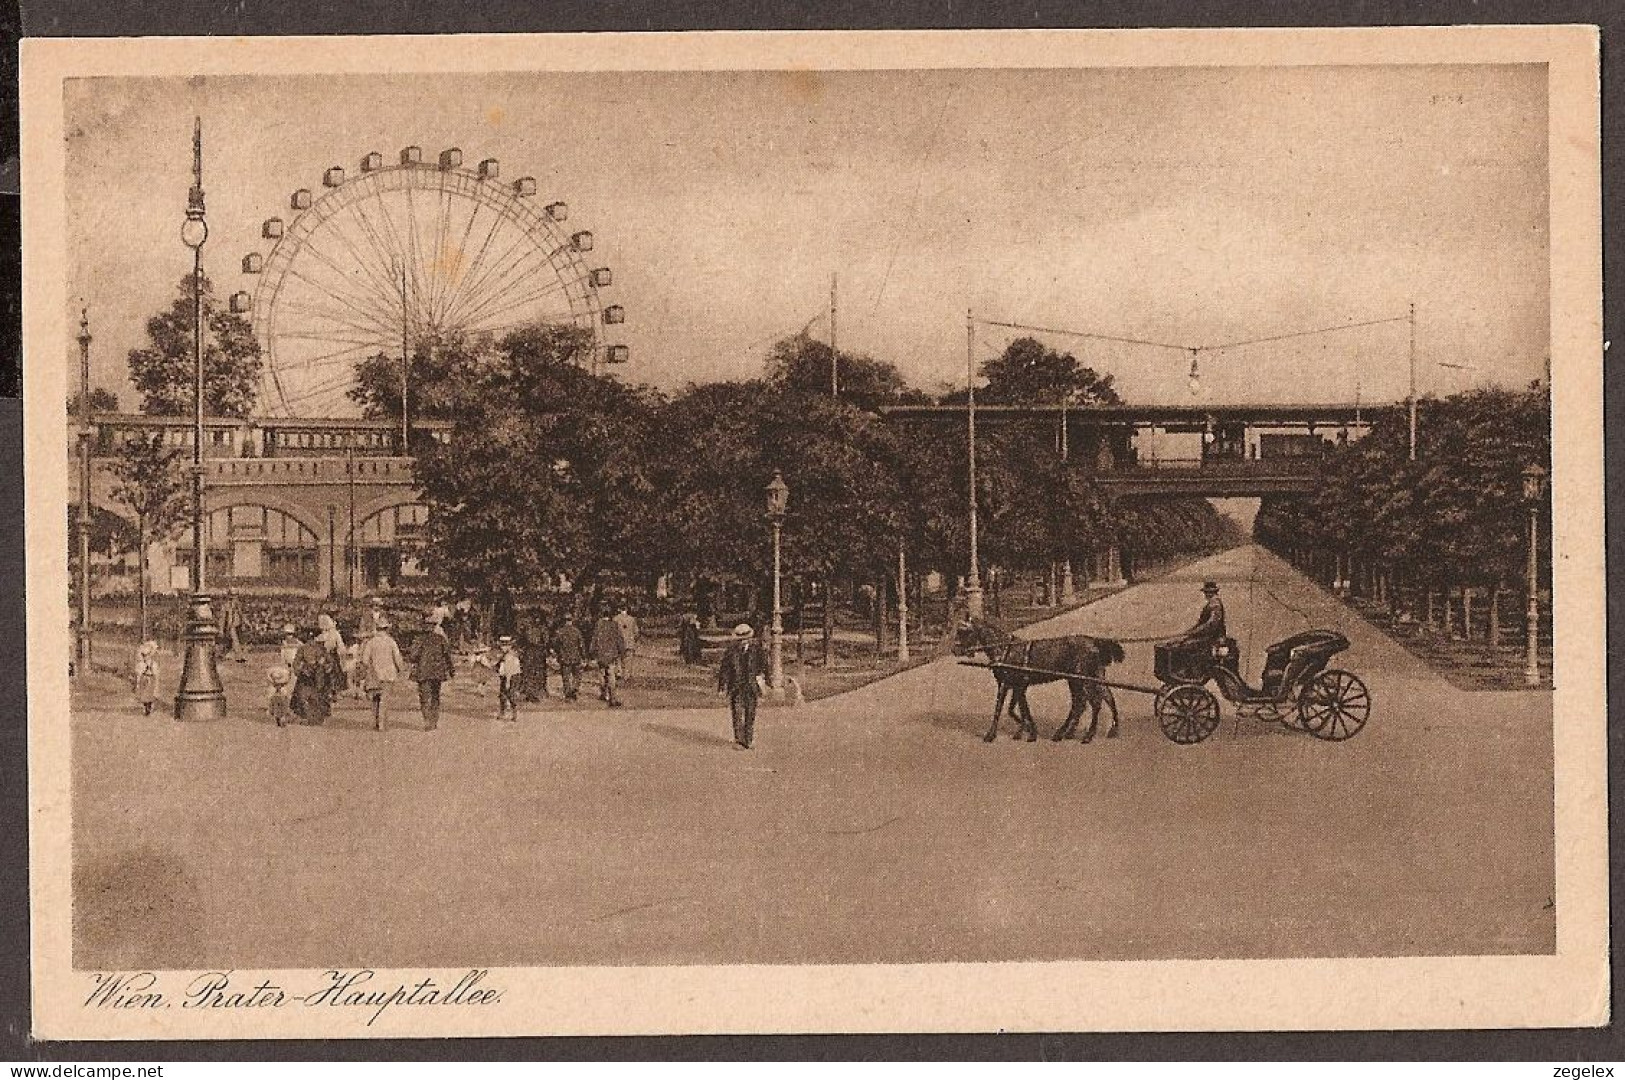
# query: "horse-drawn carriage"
(1296, 687)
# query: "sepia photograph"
(815, 532)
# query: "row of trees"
(1455, 517)
(554, 471)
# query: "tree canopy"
(715, 447)
(1029, 372)
(1453, 514)
(163, 371)
(544, 473)
(802, 363)
(101, 399)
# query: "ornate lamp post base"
(201, 697)
(974, 606)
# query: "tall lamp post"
(1534, 493)
(778, 501)
(973, 587)
(82, 652)
(200, 697)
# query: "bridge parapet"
(310, 470)
(1214, 478)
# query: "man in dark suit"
(608, 649)
(738, 677)
(1209, 626)
(431, 666)
(569, 650)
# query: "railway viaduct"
(330, 507)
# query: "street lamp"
(1534, 493)
(200, 697)
(82, 652)
(973, 586)
(778, 501)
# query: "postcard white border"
(1568, 989)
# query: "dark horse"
(1076, 654)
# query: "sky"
(1192, 206)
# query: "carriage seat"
(1299, 657)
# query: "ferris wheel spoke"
(442, 264)
(336, 356)
(454, 286)
(498, 281)
(375, 286)
(369, 282)
(498, 269)
(387, 254)
(346, 323)
(518, 303)
(378, 267)
(360, 309)
(397, 267)
(365, 300)
(475, 274)
(515, 267)
(519, 276)
(321, 389)
(335, 339)
(415, 257)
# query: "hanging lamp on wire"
(1196, 377)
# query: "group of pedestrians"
(609, 646)
(316, 665)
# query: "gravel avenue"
(873, 826)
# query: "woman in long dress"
(316, 676)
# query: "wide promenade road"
(872, 827)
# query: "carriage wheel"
(1188, 713)
(1334, 705)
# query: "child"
(279, 677)
(354, 674)
(290, 645)
(146, 675)
(508, 670)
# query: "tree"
(101, 400)
(802, 364)
(148, 480)
(443, 367)
(1029, 373)
(714, 448)
(1453, 516)
(164, 371)
(543, 474)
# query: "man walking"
(739, 677)
(431, 666)
(379, 665)
(567, 648)
(608, 650)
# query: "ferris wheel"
(402, 253)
